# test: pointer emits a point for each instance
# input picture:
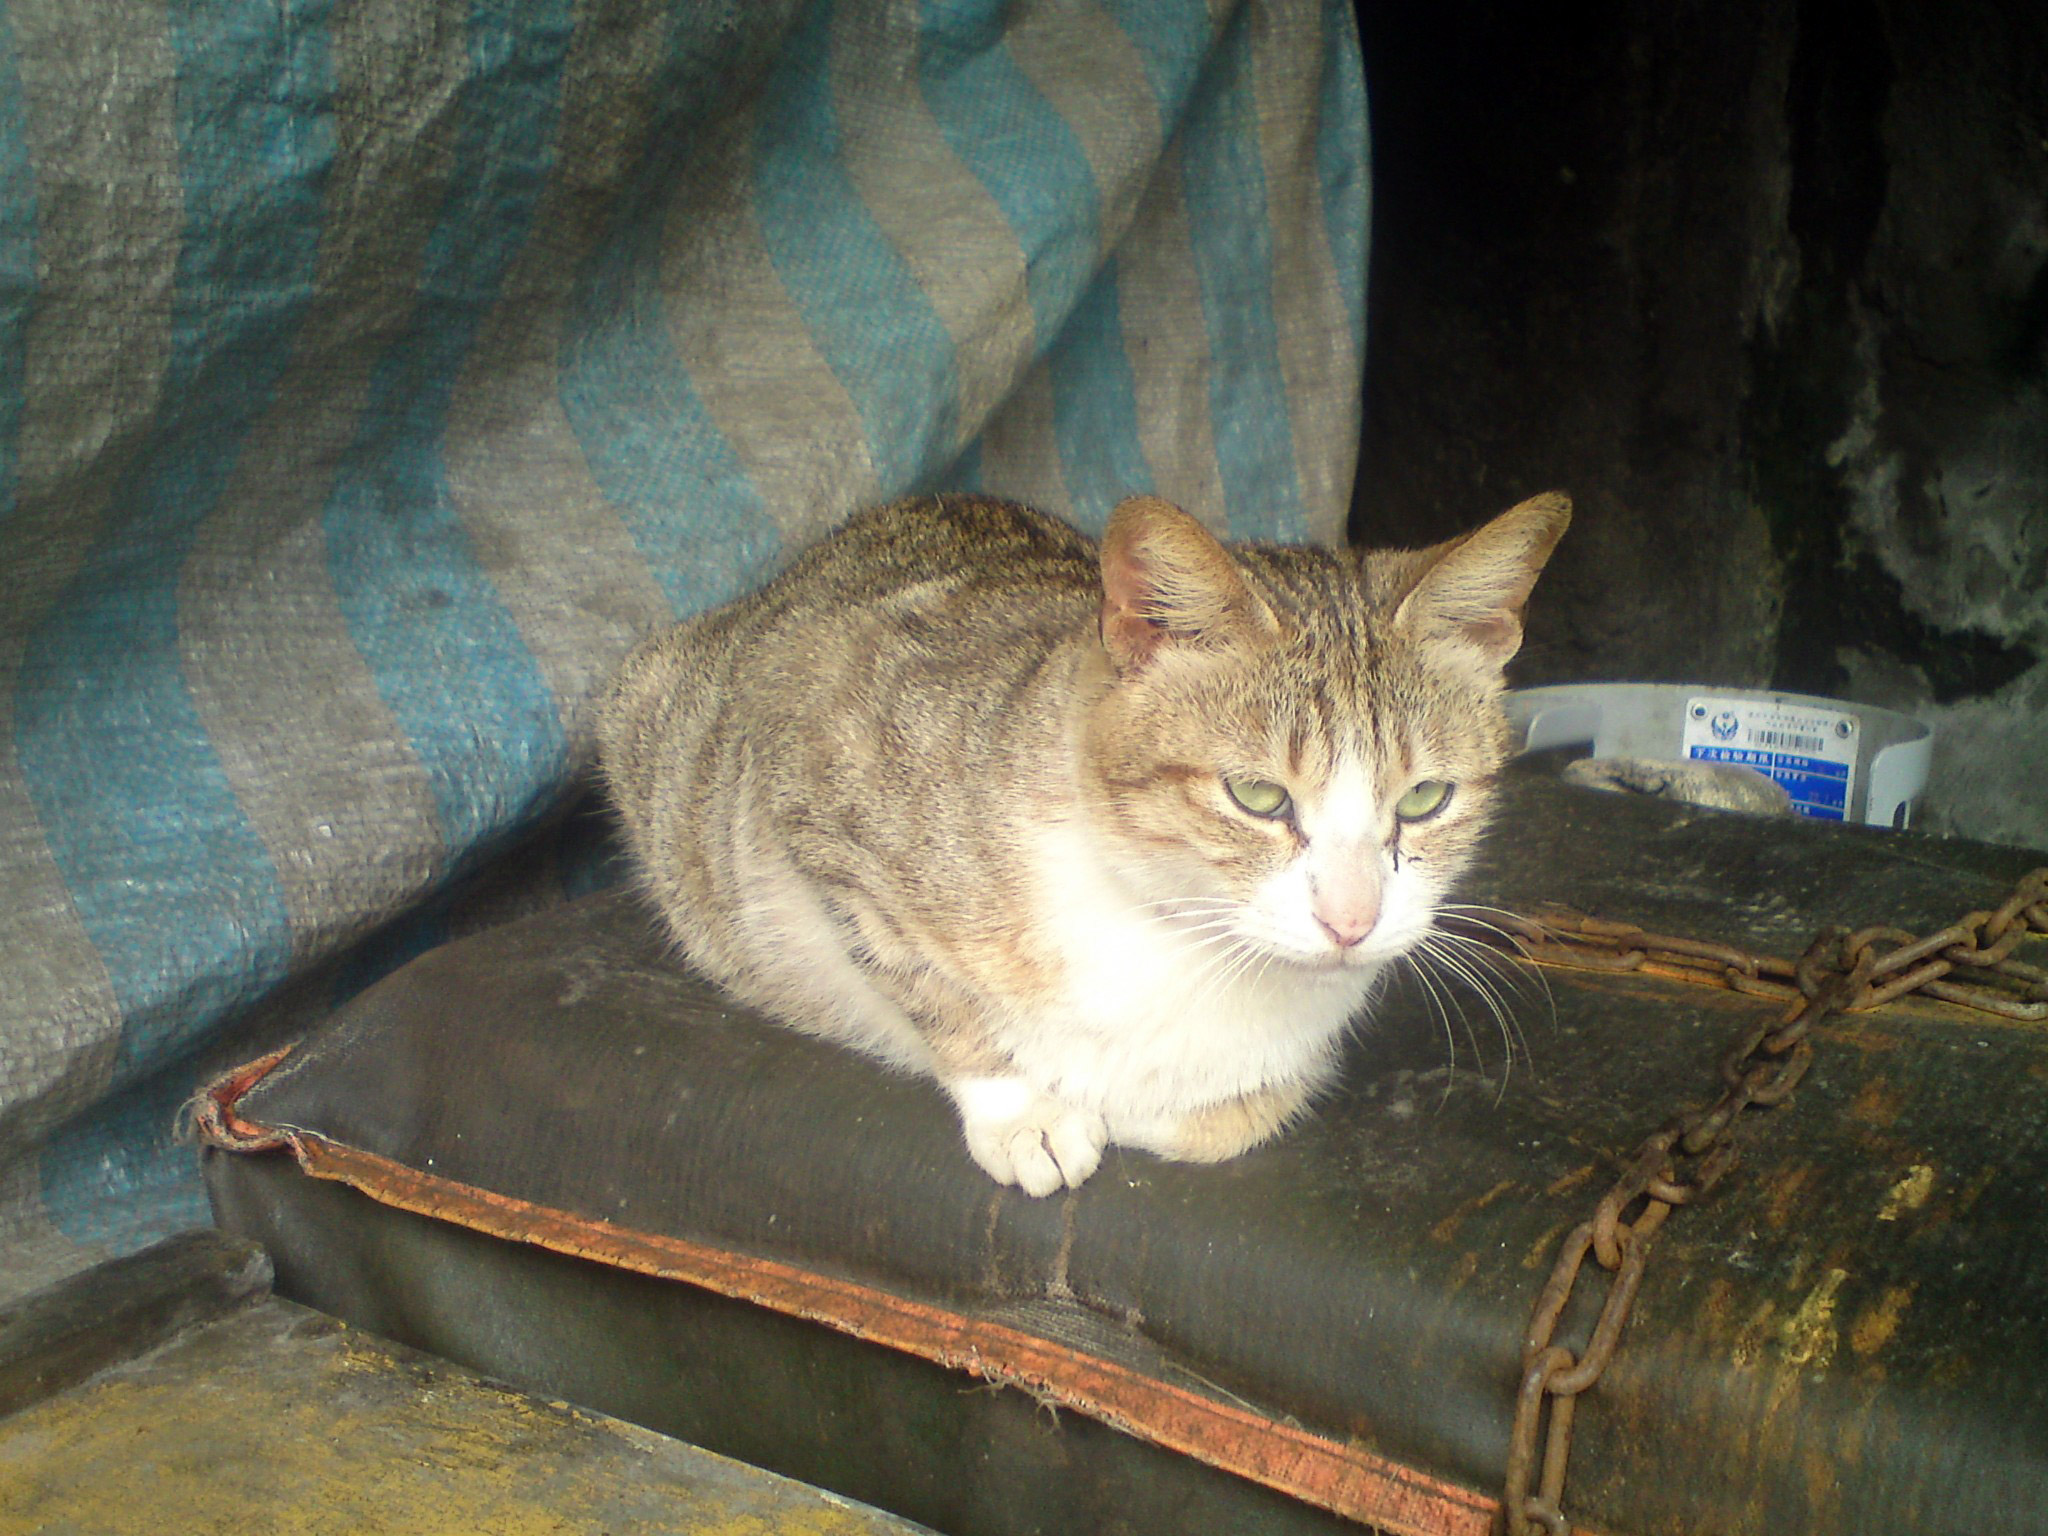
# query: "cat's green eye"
(1423, 801)
(1260, 797)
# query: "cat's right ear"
(1166, 581)
(1468, 594)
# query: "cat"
(1114, 842)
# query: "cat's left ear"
(1470, 591)
(1167, 581)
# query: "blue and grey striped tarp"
(372, 375)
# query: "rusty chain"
(1840, 972)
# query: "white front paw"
(1026, 1138)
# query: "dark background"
(1764, 285)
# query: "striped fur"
(957, 790)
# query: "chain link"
(1840, 972)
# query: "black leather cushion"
(549, 1153)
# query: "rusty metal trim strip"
(213, 1108)
(1347, 1480)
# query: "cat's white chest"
(1161, 1016)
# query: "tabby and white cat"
(1113, 843)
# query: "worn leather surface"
(1844, 1337)
(888, 1428)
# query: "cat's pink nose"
(1346, 930)
(1345, 903)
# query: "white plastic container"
(1838, 761)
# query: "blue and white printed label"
(1811, 751)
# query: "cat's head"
(1299, 746)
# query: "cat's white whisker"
(1440, 1006)
(1448, 971)
(1501, 975)
(1443, 950)
(1209, 982)
(1232, 966)
(1522, 979)
(1505, 948)
(1478, 906)
(1513, 1041)
(1171, 924)
(1184, 903)
(1228, 920)
(1437, 947)
(1220, 966)
(1468, 912)
(1265, 964)
(1215, 944)
(1203, 932)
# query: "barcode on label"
(1807, 748)
(1789, 740)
